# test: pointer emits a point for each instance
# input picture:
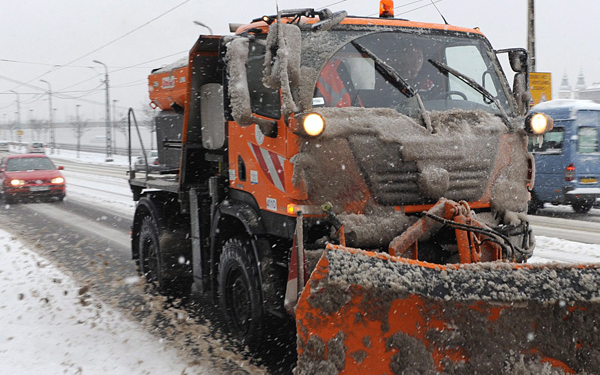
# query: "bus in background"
(567, 159)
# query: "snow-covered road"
(51, 325)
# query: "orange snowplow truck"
(369, 178)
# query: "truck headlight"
(313, 124)
(308, 125)
(538, 123)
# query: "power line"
(129, 67)
(107, 44)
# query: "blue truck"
(567, 158)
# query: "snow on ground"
(51, 325)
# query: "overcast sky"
(57, 41)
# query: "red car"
(30, 176)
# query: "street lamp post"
(108, 127)
(78, 129)
(19, 131)
(203, 25)
(52, 139)
(114, 124)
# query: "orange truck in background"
(368, 178)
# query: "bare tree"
(38, 127)
(147, 120)
(79, 128)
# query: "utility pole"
(531, 33)
(52, 140)
(114, 125)
(108, 126)
(78, 129)
(19, 131)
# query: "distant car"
(36, 148)
(26, 176)
(3, 145)
(153, 164)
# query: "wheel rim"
(239, 304)
(149, 259)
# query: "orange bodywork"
(168, 87)
(424, 319)
(472, 247)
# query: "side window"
(264, 101)
(553, 141)
(587, 140)
(468, 60)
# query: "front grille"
(394, 181)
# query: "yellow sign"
(20, 132)
(540, 86)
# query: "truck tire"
(534, 205)
(582, 207)
(239, 292)
(150, 261)
(162, 256)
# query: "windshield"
(364, 73)
(29, 164)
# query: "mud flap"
(370, 313)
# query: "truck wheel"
(582, 207)
(150, 261)
(534, 205)
(239, 293)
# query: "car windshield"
(28, 164)
(386, 69)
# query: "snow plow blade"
(370, 313)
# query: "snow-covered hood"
(384, 158)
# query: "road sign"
(540, 86)
(20, 132)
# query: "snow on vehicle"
(388, 156)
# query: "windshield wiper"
(392, 76)
(389, 73)
(445, 69)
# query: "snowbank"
(51, 325)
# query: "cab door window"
(263, 101)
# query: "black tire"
(150, 261)
(582, 207)
(239, 292)
(159, 259)
(534, 205)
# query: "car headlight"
(538, 123)
(309, 125)
(17, 182)
(58, 180)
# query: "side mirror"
(282, 63)
(60, 168)
(519, 60)
(239, 94)
(282, 57)
(237, 57)
(519, 63)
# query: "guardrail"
(87, 148)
